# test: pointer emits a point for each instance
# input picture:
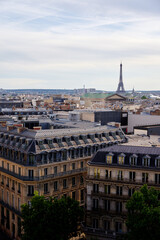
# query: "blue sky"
(69, 43)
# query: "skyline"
(68, 44)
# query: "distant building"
(10, 104)
(84, 90)
(115, 98)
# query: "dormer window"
(157, 162)
(146, 161)
(109, 158)
(121, 158)
(40, 144)
(133, 160)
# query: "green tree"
(144, 215)
(47, 219)
(143, 97)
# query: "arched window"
(157, 162)
(146, 161)
(133, 160)
(121, 158)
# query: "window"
(106, 225)
(30, 173)
(19, 188)
(19, 226)
(82, 195)
(96, 188)
(55, 170)
(145, 177)
(95, 203)
(45, 187)
(157, 178)
(30, 190)
(81, 180)
(121, 159)
(146, 161)
(13, 168)
(2, 196)
(13, 202)
(95, 223)
(109, 158)
(133, 160)
(2, 179)
(73, 166)
(108, 174)
(2, 215)
(8, 166)
(7, 182)
(74, 195)
(13, 216)
(118, 207)
(107, 189)
(81, 164)
(19, 204)
(157, 162)
(132, 176)
(64, 183)
(73, 181)
(118, 227)
(120, 175)
(64, 168)
(13, 185)
(19, 171)
(2, 164)
(7, 219)
(107, 205)
(96, 173)
(45, 171)
(130, 192)
(55, 186)
(119, 191)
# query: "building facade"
(52, 162)
(114, 174)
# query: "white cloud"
(68, 43)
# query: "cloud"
(69, 43)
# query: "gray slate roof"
(132, 149)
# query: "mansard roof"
(35, 142)
(132, 149)
(100, 156)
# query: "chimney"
(10, 127)
(37, 128)
(18, 125)
(21, 129)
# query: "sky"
(70, 43)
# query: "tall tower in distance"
(120, 88)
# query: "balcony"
(61, 174)
(126, 181)
(10, 207)
(49, 176)
(106, 234)
(111, 196)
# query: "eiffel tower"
(120, 88)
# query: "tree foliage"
(143, 97)
(45, 219)
(144, 215)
